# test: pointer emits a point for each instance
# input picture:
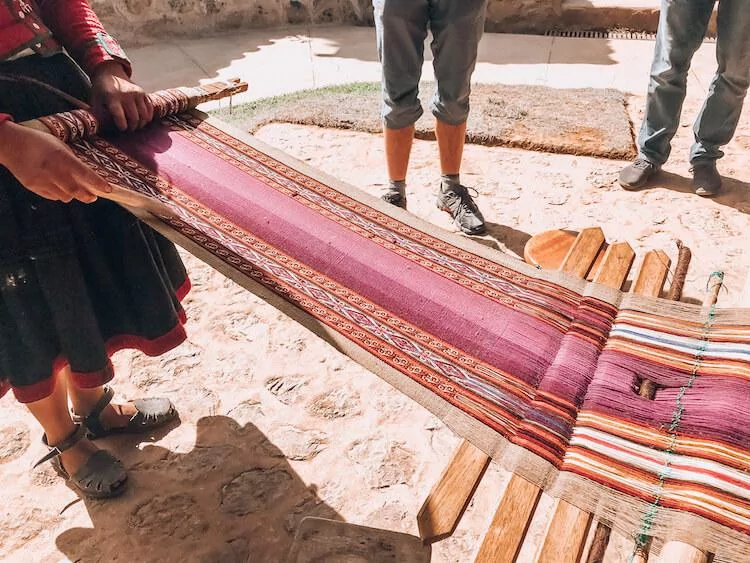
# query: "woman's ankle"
(84, 400)
(59, 432)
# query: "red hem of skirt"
(88, 380)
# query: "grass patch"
(592, 122)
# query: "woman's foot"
(95, 473)
(73, 459)
(104, 418)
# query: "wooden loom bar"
(447, 501)
(504, 538)
(653, 274)
(195, 96)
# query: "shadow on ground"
(232, 496)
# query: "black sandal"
(101, 476)
(150, 413)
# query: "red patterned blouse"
(45, 26)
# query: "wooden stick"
(642, 552)
(599, 544)
(680, 272)
(196, 95)
(713, 287)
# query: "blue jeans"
(682, 27)
(401, 28)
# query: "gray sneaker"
(457, 202)
(706, 179)
(637, 174)
(394, 196)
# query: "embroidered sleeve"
(76, 25)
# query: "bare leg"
(84, 400)
(453, 197)
(451, 139)
(398, 144)
(52, 413)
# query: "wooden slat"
(566, 536)
(653, 274)
(615, 265)
(583, 253)
(599, 544)
(674, 551)
(449, 497)
(512, 518)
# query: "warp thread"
(642, 538)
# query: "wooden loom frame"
(586, 255)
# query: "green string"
(647, 522)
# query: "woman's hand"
(114, 94)
(46, 166)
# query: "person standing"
(80, 277)
(682, 27)
(401, 30)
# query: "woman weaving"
(79, 277)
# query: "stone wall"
(141, 21)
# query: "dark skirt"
(77, 282)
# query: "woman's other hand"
(113, 93)
(46, 166)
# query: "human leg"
(457, 27)
(717, 121)
(94, 472)
(401, 28)
(682, 28)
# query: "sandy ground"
(276, 425)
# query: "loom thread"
(642, 537)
